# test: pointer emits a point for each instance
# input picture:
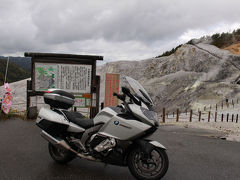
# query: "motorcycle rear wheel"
(152, 168)
(60, 155)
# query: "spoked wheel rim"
(148, 167)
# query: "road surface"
(193, 154)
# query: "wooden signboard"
(111, 85)
(70, 72)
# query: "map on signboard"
(45, 76)
(68, 77)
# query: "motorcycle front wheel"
(60, 155)
(153, 167)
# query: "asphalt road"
(193, 154)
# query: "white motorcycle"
(116, 135)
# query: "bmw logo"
(116, 122)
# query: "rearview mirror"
(125, 90)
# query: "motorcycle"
(116, 135)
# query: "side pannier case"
(59, 99)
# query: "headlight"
(150, 115)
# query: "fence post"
(237, 119)
(222, 118)
(186, 111)
(173, 114)
(227, 117)
(199, 116)
(190, 119)
(216, 107)
(177, 117)
(209, 113)
(232, 117)
(232, 103)
(163, 115)
(216, 116)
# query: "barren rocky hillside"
(194, 76)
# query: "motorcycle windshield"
(139, 90)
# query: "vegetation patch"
(13, 114)
(220, 40)
(168, 53)
(15, 72)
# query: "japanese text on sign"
(71, 78)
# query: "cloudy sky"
(116, 29)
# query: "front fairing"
(144, 114)
(139, 90)
(146, 110)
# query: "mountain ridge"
(14, 72)
(23, 62)
(183, 79)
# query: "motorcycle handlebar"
(120, 96)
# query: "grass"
(13, 114)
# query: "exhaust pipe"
(63, 144)
(58, 143)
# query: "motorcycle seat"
(79, 119)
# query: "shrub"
(168, 53)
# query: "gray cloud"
(123, 29)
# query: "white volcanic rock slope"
(193, 77)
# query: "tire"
(146, 170)
(59, 155)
